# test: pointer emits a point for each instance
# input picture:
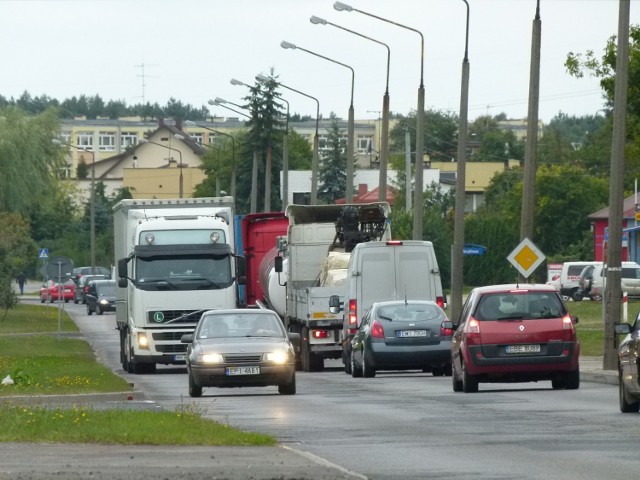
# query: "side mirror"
(575, 320)
(335, 305)
(622, 328)
(187, 338)
(241, 268)
(278, 264)
(241, 279)
(122, 269)
(122, 282)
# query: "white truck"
(176, 259)
(295, 284)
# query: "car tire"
(41, 299)
(75, 300)
(356, 371)
(99, 310)
(625, 405)
(195, 391)
(347, 363)
(368, 370)
(572, 380)
(89, 311)
(469, 382)
(457, 384)
(288, 388)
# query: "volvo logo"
(521, 327)
(158, 317)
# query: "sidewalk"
(591, 371)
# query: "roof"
(371, 196)
(628, 210)
(515, 286)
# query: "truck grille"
(168, 336)
(242, 359)
(176, 317)
(176, 348)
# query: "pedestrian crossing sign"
(44, 253)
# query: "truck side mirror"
(278, 264)
(122, 268)
(335, 305)
(241, 267)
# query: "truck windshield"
(183, 273)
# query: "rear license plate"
(243, 371)
(178, 358)
(412, 333)
(522, 349)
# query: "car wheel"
(457, 384)
(356, 371)
(75, 300)
(89, 311)
(368, 370)
(99, 310)
(572, 380)
(347, 363)
(436, 371)
(469, 382)
(41, 299)
(576, 295)
(288, 388)
(194, 390)
(625, 405)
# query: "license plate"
(412, 333)
(178, 358)
(522, 348)
(243, 371)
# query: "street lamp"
(350, 124)
(92, 207)
(217, 150)
(314, 162)
(181, 181)
(384, 154)
(285, 151)
(254, 173)
(233, 154)
(418, 211)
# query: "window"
(85, 140)
(198, 137)
(127, 139)
(106, 141)
(363, 143)
(65, 137)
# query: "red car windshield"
(519, 305)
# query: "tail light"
(394, 243)
(568, 329)
(376, 330)
(445, 332)
(353, 316)
(473, 330)
(440, 301)
(320, 333)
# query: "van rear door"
(414, 278)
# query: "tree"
(28, 160)
(17, 254)
(333, 175)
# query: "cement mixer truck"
(299, 275)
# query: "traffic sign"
(472, 249)
(44, 253)
(526, 257)
(60, 268)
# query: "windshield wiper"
(208, 281)
(158, 282)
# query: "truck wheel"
(305, 353)
(123, 355)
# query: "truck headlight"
(279, 357)
(211, 358)
(143, 341)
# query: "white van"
(379, 271)
(569, 277)
(630, 281)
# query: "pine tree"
(333, 176)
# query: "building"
(630, 228)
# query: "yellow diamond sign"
(526, 257)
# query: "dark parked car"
(628, 352)
(515, 333)
(80, 293)
(101, 296)
(402, 335)
(78, 272)
(240, 348)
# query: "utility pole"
(613, 292)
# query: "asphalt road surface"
(393, 426)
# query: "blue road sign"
(44, 253)
(471, 249)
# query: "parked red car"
(515, 333)
(52, 292)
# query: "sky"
(189, 50)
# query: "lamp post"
(181, 178)
(350, 124)
(254, 173)
(418, 211)
(457, 258)
(384, 154)
(233, 154)
(314, 162)
(92, 206)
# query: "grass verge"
(37, 353)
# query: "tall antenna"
(144, 77)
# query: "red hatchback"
(515, 333)
(52, 291)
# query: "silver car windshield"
(240, 325)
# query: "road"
(413, 426)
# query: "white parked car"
(630, 279)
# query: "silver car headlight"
(210, 358)
(278, 356)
